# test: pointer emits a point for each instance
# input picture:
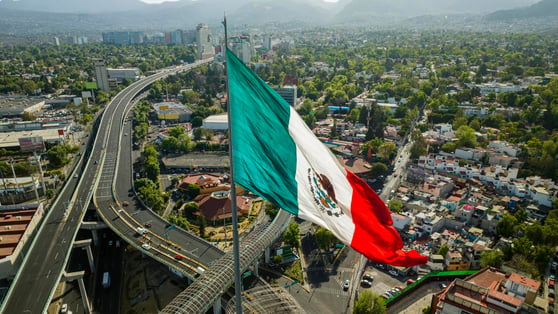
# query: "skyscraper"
(242, 47)
(203, 40)
(101, 74)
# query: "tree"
(369, 303)
(292, 235)
(378, 168)
(494, 258)
(324, 238)
(193, 190)
(395, 205)
(419, 145)
(189, 209)
(443, 250)
(506, 225)
(202, 223)
(466, 136)
(57, 156)
(386, 150)
(271, 210)
(523, 246)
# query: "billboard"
(31, 144)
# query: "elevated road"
(43, 265)
(115, 185)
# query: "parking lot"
(383, 280)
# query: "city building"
(120, 74)
(216, 207)
(490, 291)
(242, 48)
(216, 122)
(288, 93)
(203, 41)
(13, 107)
(101, 75)
(169, 111)
(17, 225)
(123, 38)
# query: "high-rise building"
(123, 38)
(267, 42)
(288, 93)
(176, 37)
(101, 74)
(242, 47)
(203, 40)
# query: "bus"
(106, 280)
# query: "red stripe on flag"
(375, 237)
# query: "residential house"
(454, 261)
(489, 290)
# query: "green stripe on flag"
(264, 154)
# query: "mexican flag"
(276, 156)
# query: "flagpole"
(236, 250)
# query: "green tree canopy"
(369, 302)
(494, 258)
(292, 235)
(324, 238)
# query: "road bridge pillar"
(267, 255)
(217, 307)
(90, 258)
(95, 237)
(84, 297)
(255, 267)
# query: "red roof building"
(217, 206)
(490, 290)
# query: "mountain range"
(134, 14)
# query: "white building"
(216, 122)
(124, 73)
(203, 41)
(400, 222)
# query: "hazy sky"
(161, 1)
(157, 1)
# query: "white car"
(393, 273)
(146, 246)
(346, 285)
(64, 308)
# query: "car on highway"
(148, 225)
(125, 203)
(178, 257)
(146, 246)
(346, 285)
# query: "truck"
(106, 280)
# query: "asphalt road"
(42, 268)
